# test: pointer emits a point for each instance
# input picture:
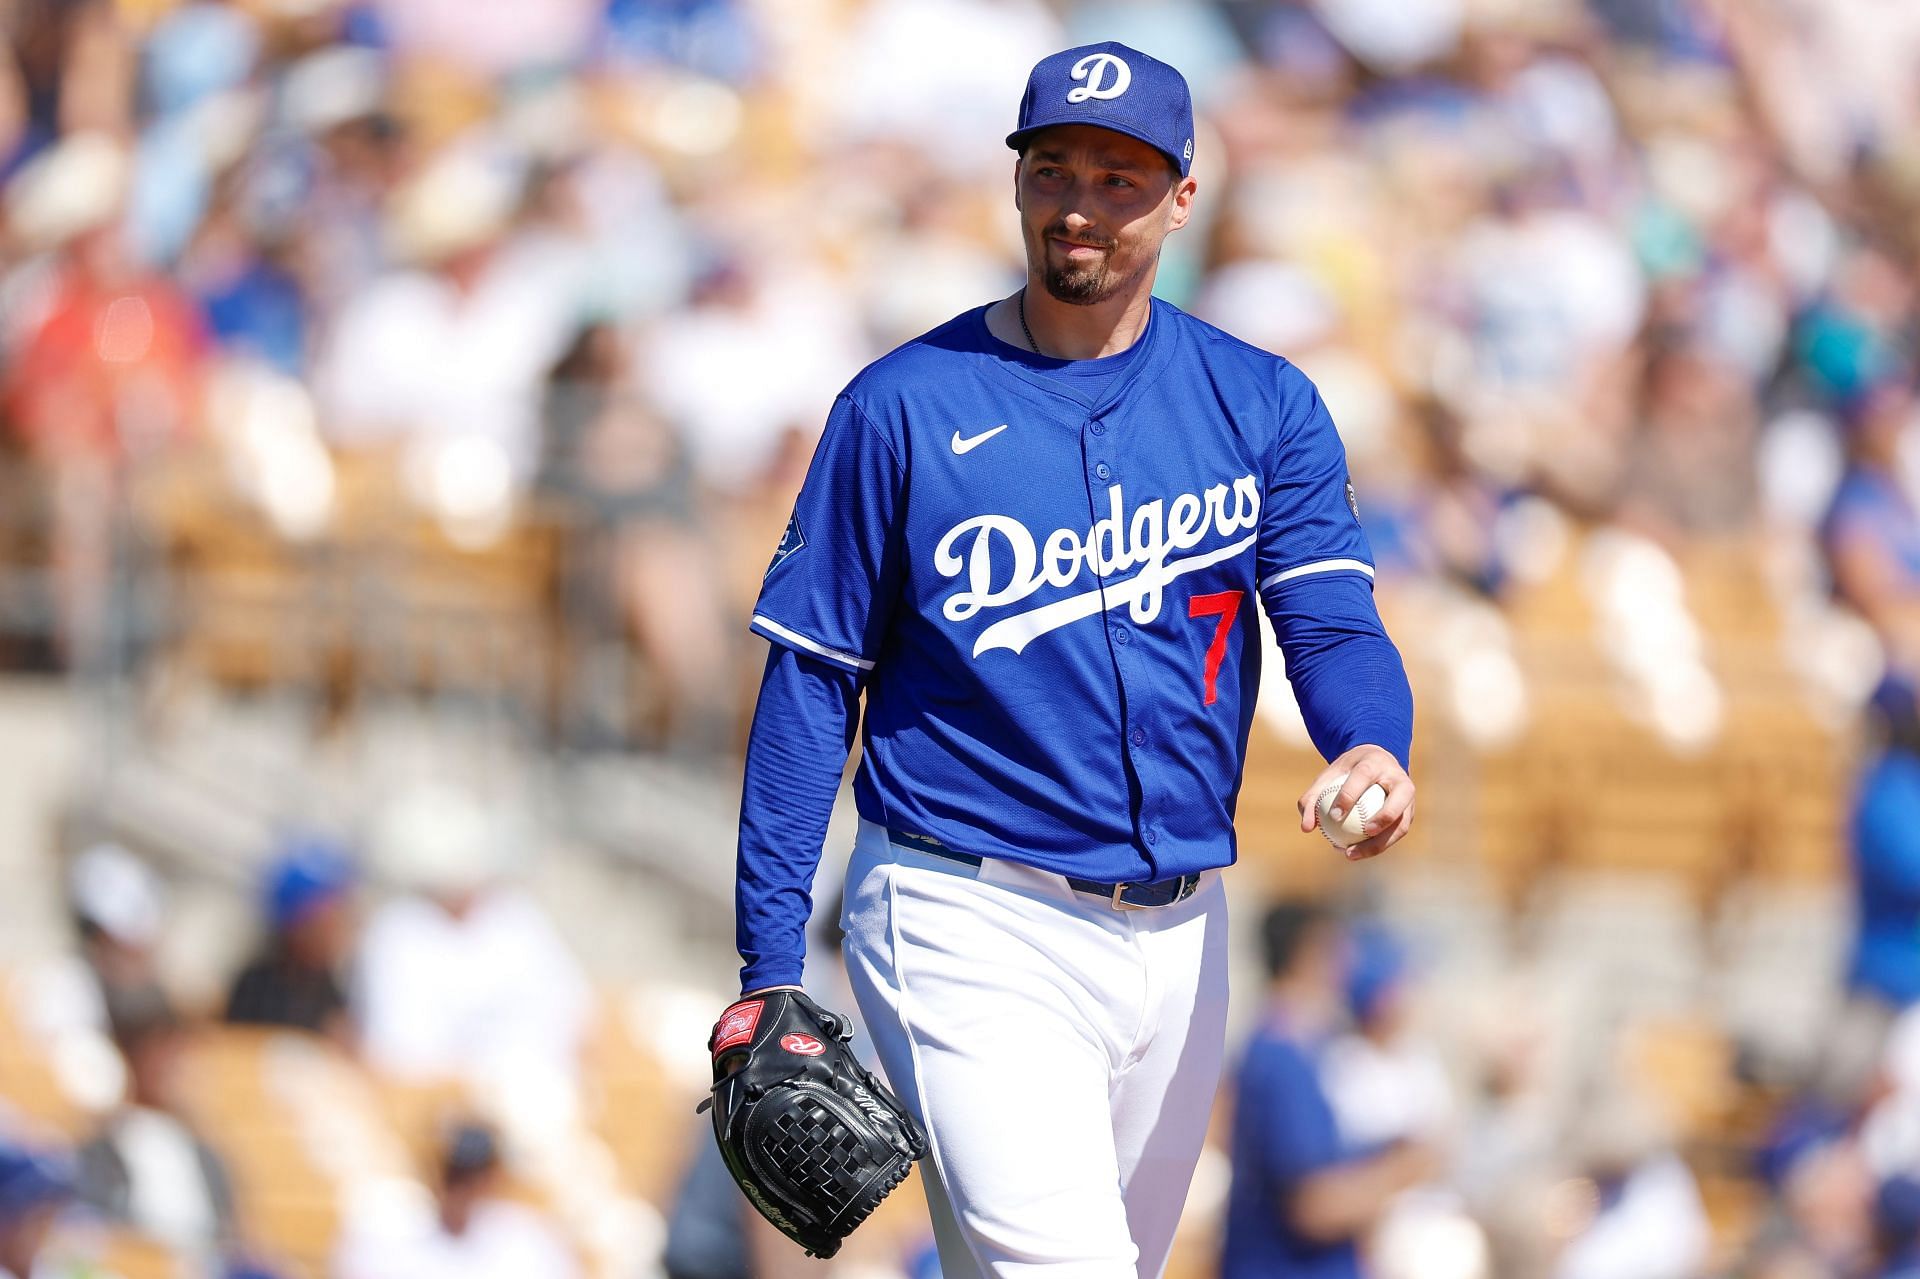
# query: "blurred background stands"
(396, 393)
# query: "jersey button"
(1153, 837)
(1104, 471)
(1121, 635)
(1098, 428)
(1139, 737)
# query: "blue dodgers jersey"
(1052, 602)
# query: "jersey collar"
(1154, 337)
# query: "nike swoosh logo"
(967, 445)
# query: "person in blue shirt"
(1025, 565)
(1301, 1198)
(1885, 837)
(1871, 531)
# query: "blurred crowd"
(1638, 267)
(1593, 283)
(455, 983)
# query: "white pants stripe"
(1062, 1054)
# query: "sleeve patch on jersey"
(1353, 502)
(790, 541)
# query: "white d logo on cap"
(1093, 69)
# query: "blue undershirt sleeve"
(1346, 673)
(803, 727)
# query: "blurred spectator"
(1387, 1085)
(475, 1232)
(118, 908)
(1511, 1141)
(32, 1190)
(1821, 1190)
(1646, 1218)
(295, 979)
(146, 1166)
(1303, 1196)
(797, 320)
(109, 359)
(717, 38)
(1871, 533)
(1690, 472)
(1896, 1220)
(69, 67)
(463, 976)
(246, 281)
(323, 185)
(106, 364)
(1885, 966)
(1384, 1082)
(443, 359)
(1459, 509)
(629, 480)
(708, 1235)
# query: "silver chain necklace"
(1023, 323)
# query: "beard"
(1081, 283)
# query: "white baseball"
(1350, 829)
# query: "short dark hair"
(1287, 927)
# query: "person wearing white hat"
(464, 976)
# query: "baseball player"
(1033, 540)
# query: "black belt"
(1161, 892)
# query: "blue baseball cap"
(306, 871)
(1376, 966)
(1110, 86)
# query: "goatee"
(1079, 286)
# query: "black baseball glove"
(814, 1140)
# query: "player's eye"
(1115, 180)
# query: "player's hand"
(1366, 766)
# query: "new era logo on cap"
(1113, 87)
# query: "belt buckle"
(1115, 902)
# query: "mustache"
(1059, 232)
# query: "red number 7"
(1224, 605)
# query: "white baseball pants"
(1063, 1055)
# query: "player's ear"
(1182, 203)
(1018, 160)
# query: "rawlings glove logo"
(1003, 550)
(736, 1026)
